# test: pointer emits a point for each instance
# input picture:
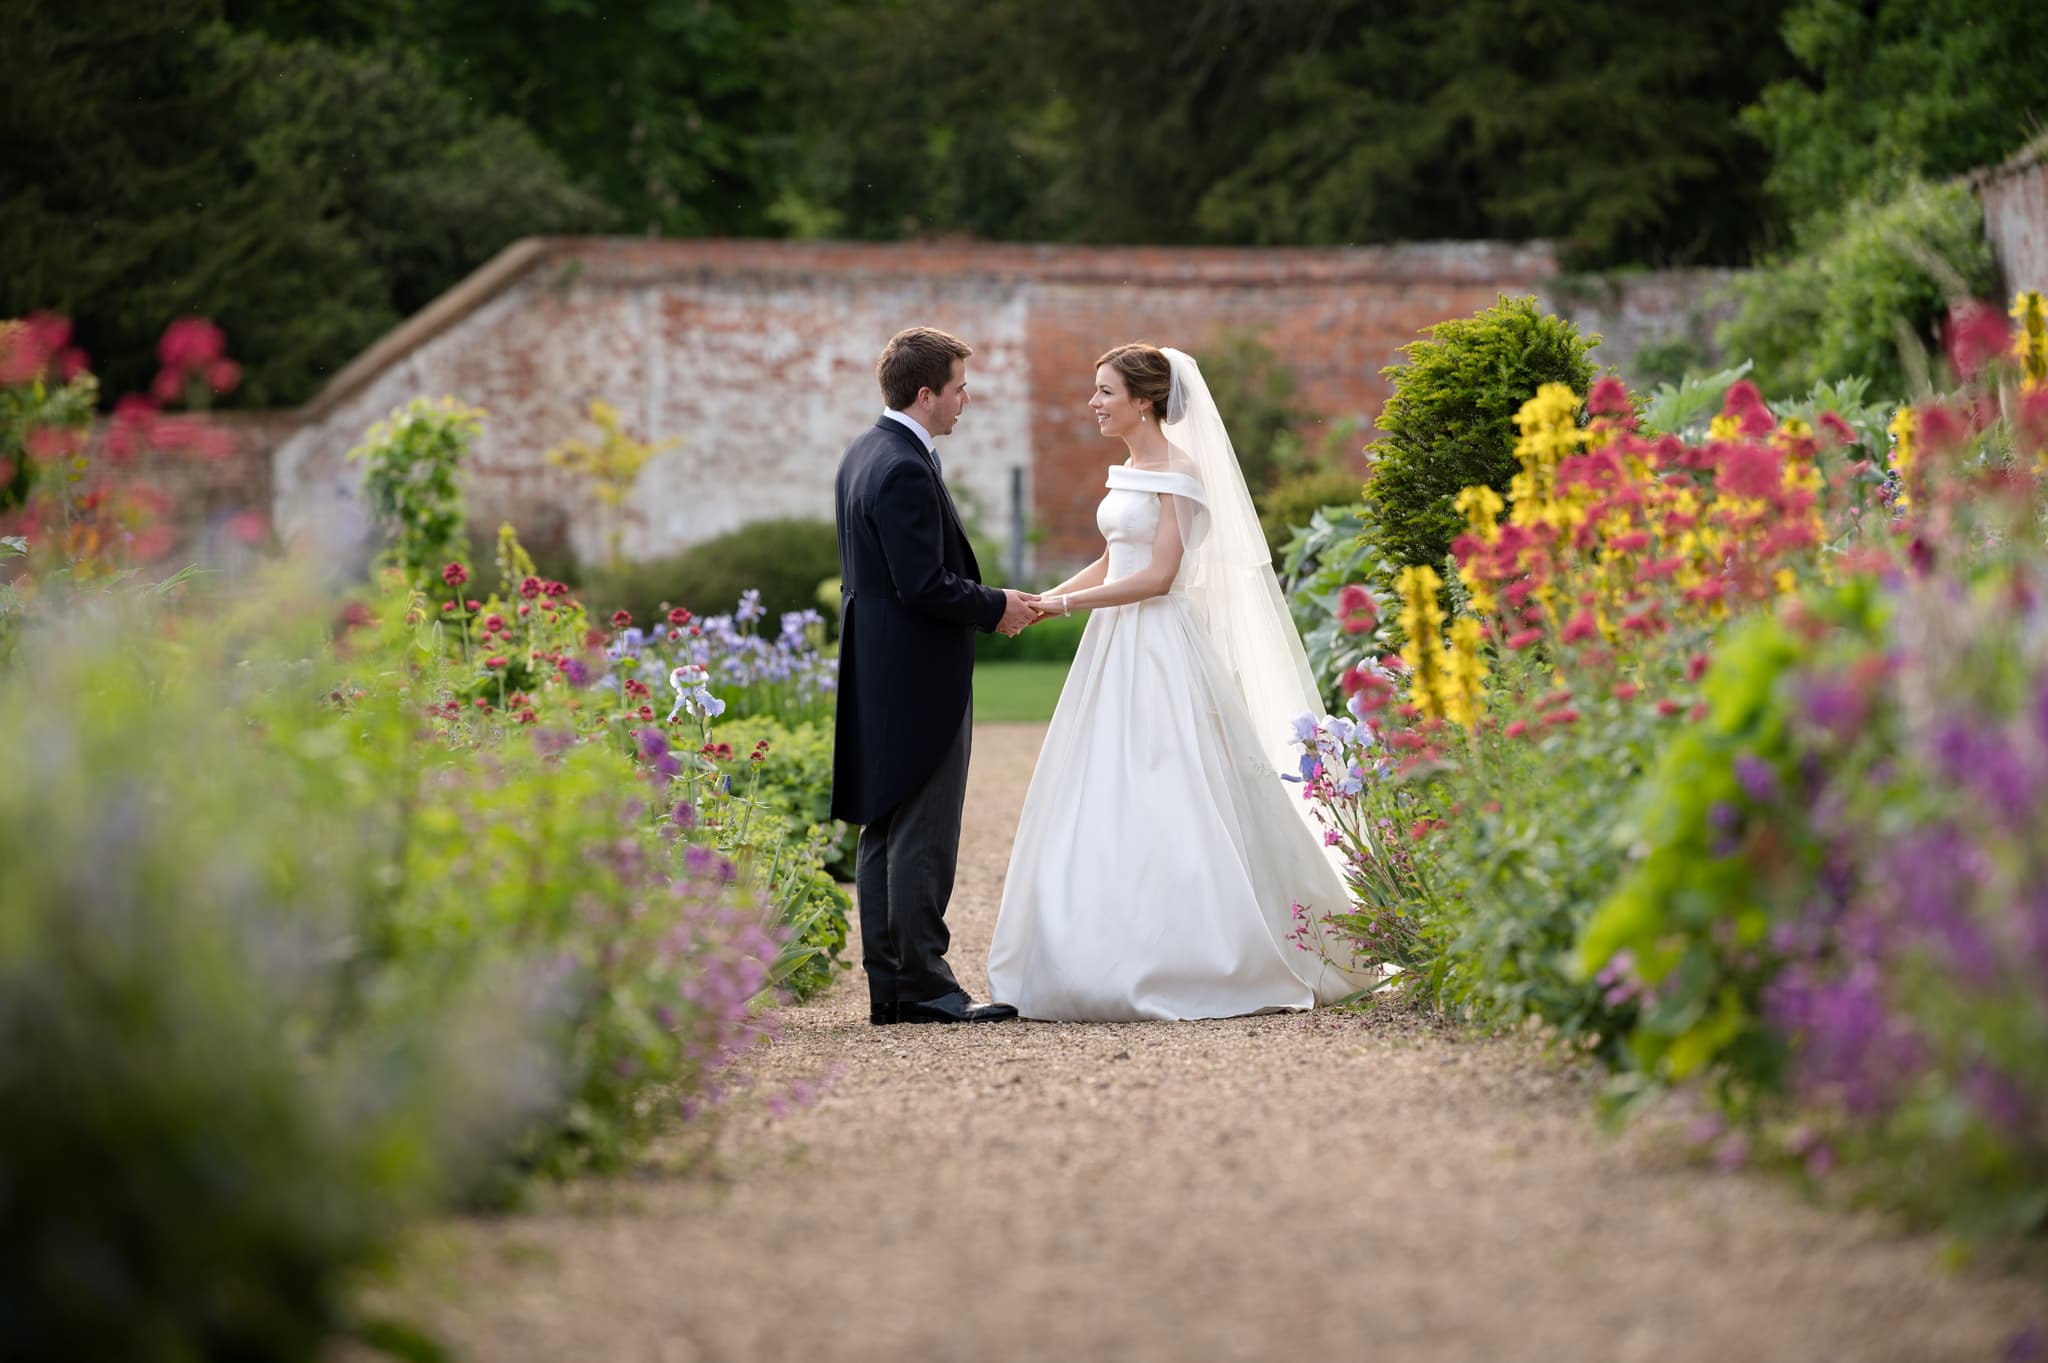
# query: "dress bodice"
(1129, 513)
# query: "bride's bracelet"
(1066, 605)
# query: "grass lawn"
(1017, 692)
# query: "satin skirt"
(1158, 864)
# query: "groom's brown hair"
(916, 358)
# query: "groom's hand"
(1017, 613)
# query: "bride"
(1162, 869)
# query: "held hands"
(1025, 609)
(1019, 611)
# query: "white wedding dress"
(1160, 858)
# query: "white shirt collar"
(916, 428)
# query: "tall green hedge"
(1451, 420)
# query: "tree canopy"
(309, 171)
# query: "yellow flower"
(1902, 430)
(1422, 622)
(1549, 423)
(1481, 507)
(2030, 338)
(1464, 674)
(1785, 581)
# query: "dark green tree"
(1607, 127)
(161, 164)
(1889, 89)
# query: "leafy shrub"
(1054, 640)
(1255, 392)
(1450, 422)
(223, 1092)
(784, 560)
(412, 465)
(1852, 301)
(1293, 501)
(1319, 563)
(795, 779)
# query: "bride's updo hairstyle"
(1146, 374)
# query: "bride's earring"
(1144, 416)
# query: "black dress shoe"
(954, 1008)
(881, 1014)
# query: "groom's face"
(949, 402)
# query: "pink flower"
(1976, 332)
(1837, 428)
(621, 619)
(1580, 626)
(250, 527)
(223, 375)
(1609, 398)
(455, 574)
(190, 343)
(1523, 638)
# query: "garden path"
(1261, 1188)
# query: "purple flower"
(750, 606)
(653, 744)
(684, 815)
(575, 673)
(1756, 778)
(2001, 1101)
(1928, 877)
(1835, 707)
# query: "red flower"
(1553, 699)
(190, 343)
(482, 704)
(2033, 420)
(678, 616)
(1976, 332)
(645, 712)
(1580, 626)
(1559, 717)
(473, 605)
(1634, 542)
(1523, 638)
(1668, 708)
(1357, 610)
(223, 375)
(525, 609)
(1625, 691)
(493, 623)
(530, 587)
(1518, 728)
(1837, 428)
(1697, 667)
(455, 574)
(526, 716)
(621, 619)
(1609, 398)
(493, 663)
(1942, 430)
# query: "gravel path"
(1265, 1188)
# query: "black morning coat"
(911, 600)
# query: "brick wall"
(759, 356)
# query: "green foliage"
(795, 779)
(161, 165)
(412, 477)
(1508, 119)
(1685, 407)
(1290, 505)
(1316, 565)
(784, 560)
(223, 1096)
(1449, 424)
(1876, 286)
(1256, 391)
(1894, 89)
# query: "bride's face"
(1115, 413)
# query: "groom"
(911, 600)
